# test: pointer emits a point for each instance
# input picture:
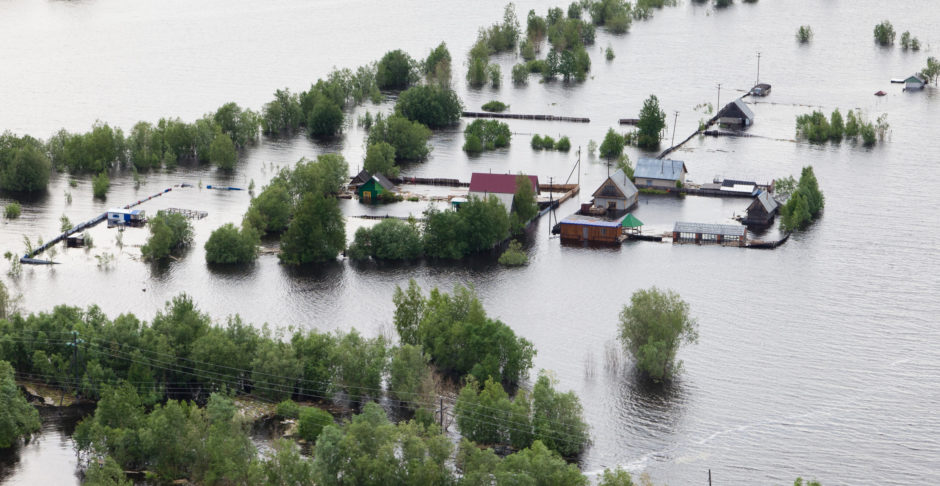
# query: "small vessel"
(897, 80)
(880, 93)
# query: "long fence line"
(518, 116)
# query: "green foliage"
(229, 245)
(317, 232)
(106, 473)
(495, 106)
(288, 409)
(851, 125)
(909, 42)
(311, 422)
(94, 151)
(804, 204)
(524, 205)
(483, 135)
(478, 226)
(145, 146)
(563, 144)
(100, 185)
(222, 152)
(478, 406)
(884, 33)
(390, 239)
(494, 72)
(396, 71)
(168, 232)
(460, 339)
(286, 466)
(653, 327)
(409, 138)
(617, 477)
(609, 53)
(804, 34)
(240, 125)
(836, 126)
(24, 166)
(612, 146)
(932, 71)
(813, 127)
(799, 482)
(283, 114)
(527, 50)
(409, 309)
(17, 417)
(614, 15)
(327, 175)
(409, 377)
(433, 106)
(514, 256)
(476, 71)
(651, 123)
(325, 118)
(723, 3)
(520, 74)
(380, 159)
(557, 418)
(270, 211)
(437, 66)
(12, 210)
(64, 223)
(867, 131)
(371, 451)
(535, 465)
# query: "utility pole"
(718, 106)
(758, 68)
(551, 202)
(674, 129)
(442, 416)
(709, 477)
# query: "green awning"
(631, 222)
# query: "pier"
(515, 116)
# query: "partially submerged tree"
(651, 123)
(652, 327)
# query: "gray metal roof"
(666, 169)
(383, 181)
(770, 204)
(710, 229)
(622, 182)
(737, 107)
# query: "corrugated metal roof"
(584, 220)
(770, 204)
(737, 109)
(622, 182)
(711, 229)
(383, 181)
(666, 169)
(498, 183)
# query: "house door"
(584, 234)
(367, 196)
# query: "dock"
(515, 116)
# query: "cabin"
(501, 186)
(736, 113)
(581, 227)
(699, 233)
(762, 209)
(665, 174)
(617, 193)
(126, 217)
(374, 189)
(762, 89)
(914, 82)
(361, 178)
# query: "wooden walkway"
(515, 116)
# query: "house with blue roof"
(664, 174)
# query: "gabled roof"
(498, 183)
(361, 177)
(664, 169)
(916, 78)
(383, 181)
(736, 109)
(631, 221)
(766, 200)
(619, 180)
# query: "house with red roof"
(500, 186)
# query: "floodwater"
(817, 359)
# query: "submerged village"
(510, 258)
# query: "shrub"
(317, 232)
(395, 71)
(391, 239)
(651, 123)
(495, 106)
(492, 134)
(168, 231)
(563, 144)
(12, 210)
(380, 159)
(836, 126)
(222, 152)
(270, 211)
(325, 118)
(288, 409)
(884, 33)
(311, 423)
(805, 203)
(548, 143)
(514, 256)
(609, 53)
(432, 106)
(24, 165)
(814, 127)
(437, 65)
(495, 74)
(652, 327)
(100, 185)
(520, 74)
(612, 146)
(804, 34)
(409, 138)
(229, 245)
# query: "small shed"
(580, 227)
(617, 193)
(126, 217)
(372, 190)
(736, 113)
(762, 209)
(914, 82)
(361, 178)
(663, 174)
(631, 223)
(501, 186)
(722, 234)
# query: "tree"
(395, 71)
(359, 364)
(884, 33)
(652, 121)
(932, 71)
(316, 234)
(617, 477)
(409, 377)
(17, 417)
(229, 245)
(311, 423)
(240, 125)
(524, 206)
(836, 126)
(557, 418)
(325, 118)
(409, 310)
(222, 152)
(437, 66)
(391, 239)
(380, 159)
(283, 114)
(287, 466)
(107, 473)
(327, 175)
(270, 211)
(409, 138)
(100, 185)
(534, 465)
(168, 231)
(612, 146)
(433, 106)
(486, 415)
(24, 166)
(486, 135)
(514, 256)
(146, 149)
(653, 327)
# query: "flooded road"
(817, 359)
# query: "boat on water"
(880, 93)
(898, 80)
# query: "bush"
(240, 125)
(409, 138)
(317, 232)
(168, 232)
(325, 118)
(283, 114)
(437, 65)
(612, 146)
(514, 256)
(432, 106)
(391, 239)
(609, 53)
(476, 71)
(884, 33)
(536, 142)
(804, 34)
(24, 166)
(492, 134)
(495, 106)
(228, 245)
(409, 378)
(12, 210)
(100, 185)
(836, 126)
(288, 409)
(395, 71)
(270, 211)
(311, 423)
(652, 328)
(563, 144)
(814, 127)
(17, 417)
(222, 152)
(520, 74)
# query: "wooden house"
(617, 193)
(580, 227)
(500, 186)
(662, 174)
(361, 178)
(762, 209)
(736, 113)
(372, 191)
(914, 82)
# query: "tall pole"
(674, 129)
(758, 68)
(718, 106)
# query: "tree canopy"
(409, 138)
(652, 121)
(433, 106)
(652, 327)
(229, 245)
(316, 233)
(17, 417)
(24, 166)
(396, 71)
(168, 232)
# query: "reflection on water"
(49, 457)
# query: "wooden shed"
(762, 209)
(372, 190)
(914, 82)
(579, 227)
(736, 113)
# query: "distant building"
(762, 209)
(914, 82)
(659, 173)
(126, 217)
(762, 89)
(501, 186)
(736, 113)
(617, 193)
(372, 191)
(580, 227)
(699, 233)
(360, 179)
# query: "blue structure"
(125, 216)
